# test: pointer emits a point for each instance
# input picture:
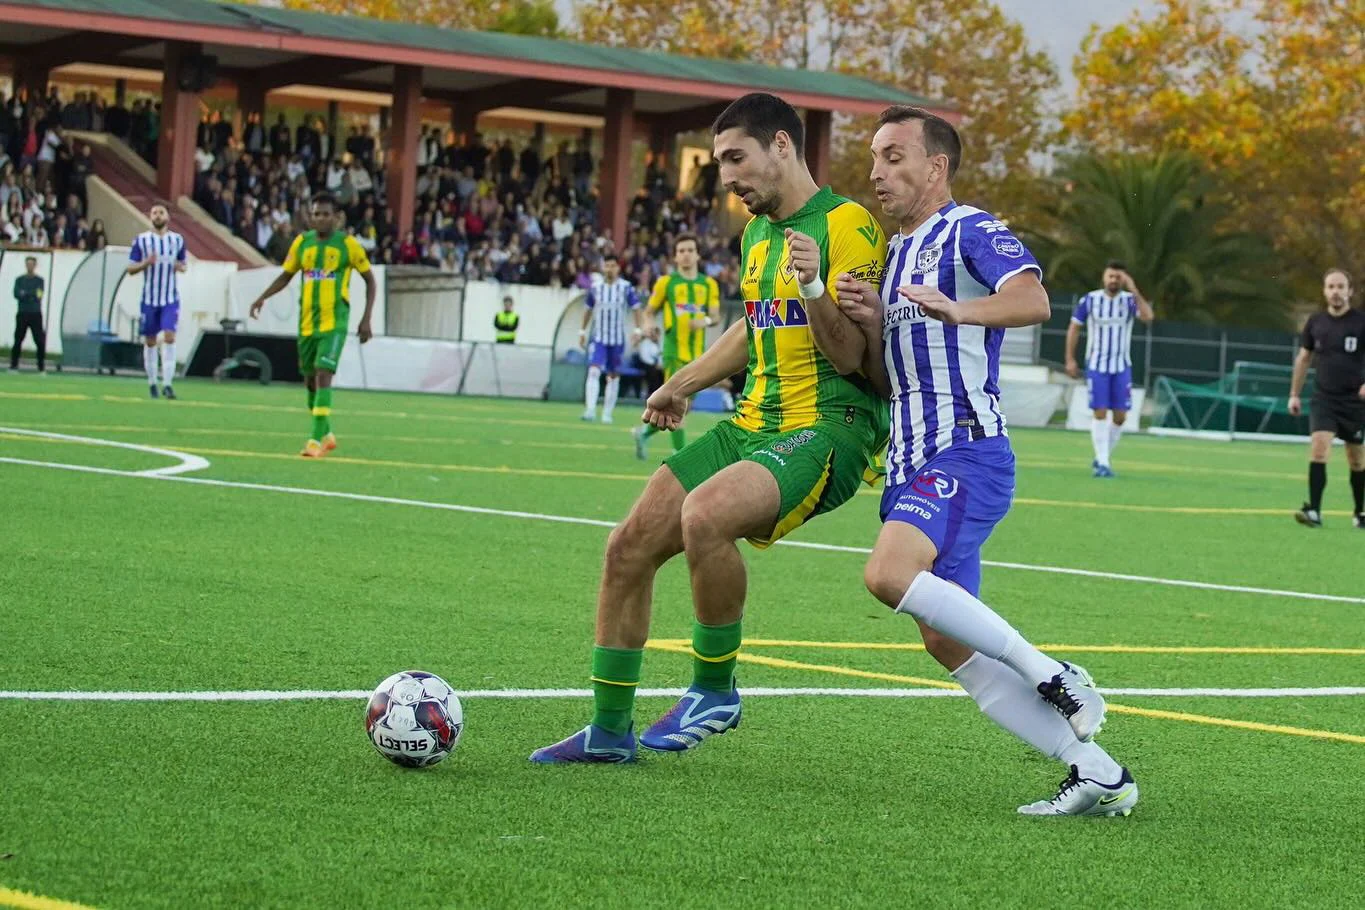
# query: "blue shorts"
(158, 319)
(1110, 391)
(607, 357)
(957, 499)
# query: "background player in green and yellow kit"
(326, 258)
(807, 428)
(688, 302)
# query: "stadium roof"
(254, 39)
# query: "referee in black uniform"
(1335, 340)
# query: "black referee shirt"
(1338, 343)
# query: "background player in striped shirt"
(1107, 315)
(798, 446)
(689, 302)
(325, 258)
(159, 255)
(609, 306)
(956, 279)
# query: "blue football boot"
(592, 745)
(699, 714)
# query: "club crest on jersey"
(776, 314)
(935, 484)
(927, 259)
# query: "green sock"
(322, 413)
(650, 430)
(615, 674)
(679, 438)
(312, 393)
(715, 652)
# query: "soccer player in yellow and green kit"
(808, 427)
(689, 302)
(325, 258)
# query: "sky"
(1056, 26)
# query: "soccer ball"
(414, 719)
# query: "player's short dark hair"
(1342, 272)
(940, 136)
(611, 257)
(34, 260)
(762, 116)
(326, 199)
(684, 238)
(1115, 264)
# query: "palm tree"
(1157, 215)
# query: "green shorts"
(321, 351)
(817, 469)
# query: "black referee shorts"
(1342, 416)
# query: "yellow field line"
(183, 403)
(286, 434)
(375, 462)
(1237, 724)
(1115, 708)
(43, 396)
(25, 901)
(1079, 649)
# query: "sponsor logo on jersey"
(776, 314)
(1008, 246)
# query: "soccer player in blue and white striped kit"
(609, 305)
(956, 279)
(159, 255)
(1107, 315)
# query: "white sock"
(168, 363)
(1099, 436)
(951, 611)
(613, 389)
(149, 361)
(590, 390)
(1006, 699)
(1115, 431)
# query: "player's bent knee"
(1120, 417)
(888, 579)
(700, 520)
(168, 337)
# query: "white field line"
(270, 695)
(599, 523)
(186, 461)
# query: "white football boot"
(1083, 796)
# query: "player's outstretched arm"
(1021, 301)
(729, 355)
(666, 408)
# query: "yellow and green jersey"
(325, 295)
(791, 385)
(686, 303)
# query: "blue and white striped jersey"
(1108, 325)
(945, 378)
(159, 285)
(610, 304)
